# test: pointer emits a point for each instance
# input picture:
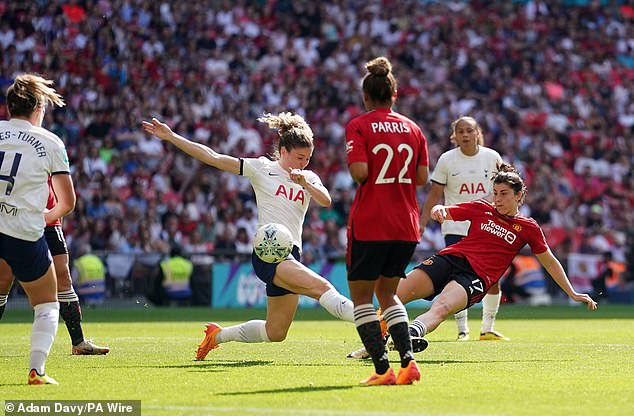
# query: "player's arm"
(320, 194)
(317, 191)
(64, 195)
(199, 151)
(432, 198)
(556, 271)
(359, 171)
(441, 213)
(422, 175)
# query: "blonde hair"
(471, 121)
(293, 130)
(29, 91)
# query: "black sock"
(71, 314)
(402, 342)
(370, 334)
(2, 310)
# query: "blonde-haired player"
(283, 190)
(29, 155)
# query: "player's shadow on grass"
(443, 362)
(305, 389)
(230, 364)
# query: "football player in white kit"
(283, 190)
(464, 174)
(29, 154)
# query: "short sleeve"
(355, 143)
(59, 160)
(440, 173)
(250, 166)
(537, 240)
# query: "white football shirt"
(465, 178)
(28, 156)
(278, 198)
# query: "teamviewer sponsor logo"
(498, 230)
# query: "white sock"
(418, 327)
(43, 333)
(250, 331)
(395, 315)
(364, 314)
(462, 321)
(337, 305)
(490, 306)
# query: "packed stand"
(551, 84)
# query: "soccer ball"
(273, 243)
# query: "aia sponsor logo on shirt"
(498, 230)
(291, 194)
(472, 188)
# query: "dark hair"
(293, 130)
(379, 82)
(29, 91)
(509, 175)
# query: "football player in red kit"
(461, 274)
(387, 157)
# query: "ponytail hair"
(379, 82)
(509, 175)
(293, 130)
(471, 121)
(30, 91)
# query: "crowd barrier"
(227, 280)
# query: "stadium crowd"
(552, 84)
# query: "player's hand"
(439, 213)
(297, 176)
(157, 128)
(582, 297)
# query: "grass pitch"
(560, 360)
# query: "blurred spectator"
(550, 82)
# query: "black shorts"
(266, 272)
(55, 240)
(29, 260)
(371, 259)
(443, 268)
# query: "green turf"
(557, 363)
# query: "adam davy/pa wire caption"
(72, 407)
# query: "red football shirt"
(385, 207)
(50, 204)
(494, 239)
